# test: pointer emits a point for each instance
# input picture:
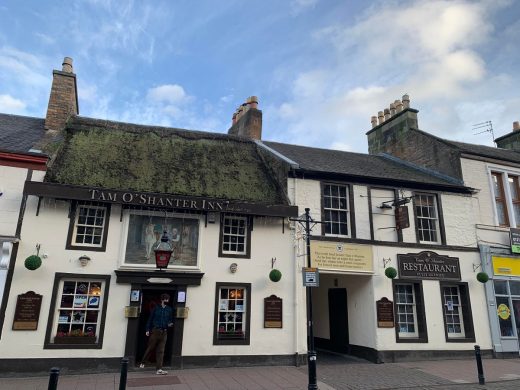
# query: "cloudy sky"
(321, 68)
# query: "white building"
(494, 174)
(112, 190)
(433, 308)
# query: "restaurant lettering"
(428, 265)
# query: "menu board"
(385, 313)
(27, 312)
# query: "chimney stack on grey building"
(511, 140)
(247, 120)
(63, 99)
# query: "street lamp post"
(311, 353)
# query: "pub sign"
(428, 265)
(514, 234)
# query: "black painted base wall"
(68, 366)
(375, 356)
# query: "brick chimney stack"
(510, 140)
(63, 99)
(247, 120)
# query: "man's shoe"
(141, 365)
(161, 372)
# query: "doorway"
(150, 299)
(338, 320)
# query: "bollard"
(53, 378)
(124, 372)
(480, 369)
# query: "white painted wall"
(50, 230)
(12, 180)
(460, 217)
(362, 211)
(383, 219)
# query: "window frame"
(248, 230)
(72, 232)
(502, 198)
(247, 312)
(422, 331)
(351, 227)
(52, 321)
(441, 235)
(466, 313)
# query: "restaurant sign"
(428, 265)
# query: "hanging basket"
(391, 272)
(275, 275)
(33, 262)
(482, 277)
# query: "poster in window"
(239, 308)
(145, 232)
(78, 317)
(223, 305)
(93, 302)
(80, 301)
(449, 304)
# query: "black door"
(338, 319)
(151, 298)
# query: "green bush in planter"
(482, 277)
(391, 272)
(33, 262)
(275, 275)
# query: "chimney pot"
(392, 109)
(387, 114)
(406, 101)
(516, 126)
(373, 120)
(380, 117)
(253, 102)
(67, 65)
(398, 105)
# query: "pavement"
(335, 371)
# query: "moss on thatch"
(164, 161)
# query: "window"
(427, 218)
(336, 210)
(500, 199)
(406, 310)
(506, 191)
(145, 230)
(232, 313)
(456, 308)
(409, 312)
(88, 227)
(77, 315)
(235, 236)
(507, 296)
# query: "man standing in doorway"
(157, 328)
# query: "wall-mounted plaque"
(272, 312)
(385, 313)
(428, 265)
(131, 311)
(27, 312)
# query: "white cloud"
(11, 105)
(168, 93)
(298, 6)
(429, 49)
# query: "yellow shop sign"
(506, 266)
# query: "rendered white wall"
(11, 185)
(50, 230)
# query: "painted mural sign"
(339, 256)
(145, 232)
(273, 312)
(428, 265)
(27, 311)
(385, 313)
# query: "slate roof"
(20, 133)
(487, 151)
(358, 165)
(123, 156)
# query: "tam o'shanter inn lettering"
(154, 200)
(428, 265)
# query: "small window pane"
(500, 287)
